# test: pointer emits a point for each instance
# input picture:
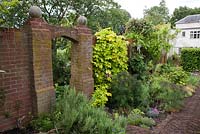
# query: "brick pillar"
(39, 36)
(81, 66)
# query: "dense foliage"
(149, 40)
(74, 115)
(165, 89)
(13, 13)
(128, 92)
(138, 66)
(157, 14)
(165, 95)
(115, 18)
(190, 59)
(61, 67)
(109, 59)
(138, 118)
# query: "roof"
(190, 19)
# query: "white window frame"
(195, 34)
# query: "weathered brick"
(25, 55)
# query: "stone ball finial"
(82, 20)
(35, 12)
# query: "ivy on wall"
(109, 59)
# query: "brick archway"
(26, 56)
(81, 56)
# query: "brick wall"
(40, 38)
(81, 67)
(15, 84)
(26, 56)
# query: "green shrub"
(61, 67)
(60, 90)
(193, 80)
(151, 40)
(137, 118)
(165, 94)
(100, 97)
(75, 115)
(109, 59)
(78, 116)
(190, 59)
(192, 83)
(138, 66)
(178, 76)
(175, 75)
(128, 92)
(163, 68)
(43, 123)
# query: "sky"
(136, 7)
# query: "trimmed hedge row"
(190, 59)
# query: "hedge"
(190, 59)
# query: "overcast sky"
(136, 7)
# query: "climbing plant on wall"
(109, 59)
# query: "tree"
(157, 14)
(115, 18)
(151, 40)
(59, 12)
(13, 13)
(182, 12)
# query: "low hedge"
(190, 59)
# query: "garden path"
(187, 121)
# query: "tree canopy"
(115, 18)
(100, 13)
(149, 38)
(13, 13)
(182, 12)
(157, 14)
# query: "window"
(195, 34)
(183, 34)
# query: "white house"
(189, 35)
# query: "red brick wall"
(26, 56)
(40, 38)
(15, 60)
(81, 57)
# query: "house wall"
(185, 41)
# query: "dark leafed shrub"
(138, 66)
(128, 92)
(190, 59)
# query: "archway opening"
(61, 61)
